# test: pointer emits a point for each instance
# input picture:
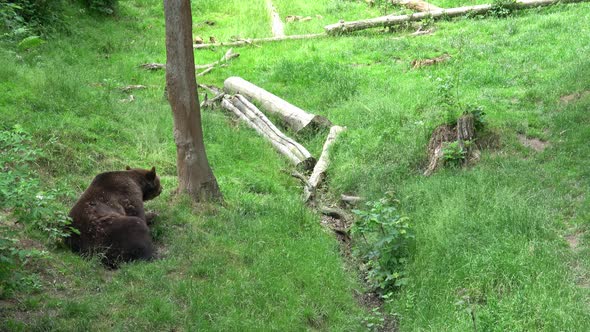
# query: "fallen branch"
(153, 66)
(429, 62)
(352, 200)
(392, 20)
(419, 5)
(259, 40)
(320, 168)
(293, 116)
(250, 114)
(132, 87)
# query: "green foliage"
(455, 153)
(386, 239)
(502, 8)
(13, 261)
(20, 189)
(104, 7)
(22, 18)
(30, 42)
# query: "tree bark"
(250, 114)
(277, 27)
(293, 116)
(391, 20)
(195, 177)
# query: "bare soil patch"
(533, 143)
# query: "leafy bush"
(22, 18)
(502, 8)
(455, 153)
(105, 7)
(20, 193)
(385, 246)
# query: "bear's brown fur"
(110, 216)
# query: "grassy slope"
(494, 232)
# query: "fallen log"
(320, 168)
(250, 114)
(352, 200)
(208, 67)
(293, 116)
(392, 20)
(419, 5)
(255, 41)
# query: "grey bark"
(195, 177)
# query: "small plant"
(478, 116)
(386, 238)
(502, 8)
(374, 321)
(455, 153)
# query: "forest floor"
(505, 242)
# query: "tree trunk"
(391, 20)
(294, 117)
(194, 174)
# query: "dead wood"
(442, 134)
(250, 114)
(132, 87)
(153, 66)
(463, 132)
(320, 168)
(392, 20)
(294, 117)
(243, 42)
(351, 200)
(418, 5)
(429, 62)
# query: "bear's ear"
(151, 174)
(127, 168)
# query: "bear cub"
(110, 216)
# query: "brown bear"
(110, 218)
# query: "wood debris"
(429, 62)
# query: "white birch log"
(254, 41)
(294, 117)
(250, 114)
(391, 20)
(319, 171)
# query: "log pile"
(296, 118)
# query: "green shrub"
(105, 7)
(20, 193)
(22, 18)
(384, 248)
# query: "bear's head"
(150, 182)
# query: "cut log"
(419, 5)
(320, 168)
(392, 20)
(250, 114)
(255, 41)
(294, 117)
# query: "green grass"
(494, 232)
